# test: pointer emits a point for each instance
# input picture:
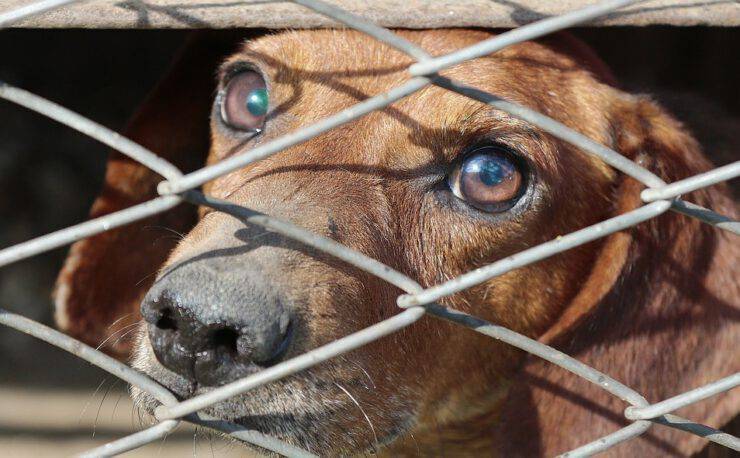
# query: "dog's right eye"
(244, 101)
(489, 179)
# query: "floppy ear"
(104, 277)
(660, 313)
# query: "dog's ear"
(104, 277)
(659, 312)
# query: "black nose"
(214, 330)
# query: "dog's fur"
(655, 306)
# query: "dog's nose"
(213, 330)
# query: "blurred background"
(53, 404)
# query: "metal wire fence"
(658, 197)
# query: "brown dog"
(434, 186)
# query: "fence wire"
(658, 197)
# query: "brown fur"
(655, 307)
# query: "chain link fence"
(658, 197)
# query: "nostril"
(225, 338)
(166, 321)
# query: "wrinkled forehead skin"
(377, 185)
(314, 74)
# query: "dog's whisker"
(416, 443)
(100, 406)
(89, 400)
(121, 329)
(195, 442)
(166, 237)
(115, 406)
(162, 443)
(372, 428)
(362, 369)
(119, 319)
(118, 331)
(138, 283)
(179, 235)
(122, 336)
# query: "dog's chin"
(314, 409)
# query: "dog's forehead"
(347, 61)
(312, 74)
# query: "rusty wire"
(658, 197)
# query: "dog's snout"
(215, 330)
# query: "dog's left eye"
(488, 178)
(244, 101)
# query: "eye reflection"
(244, 102)
(488, 179)
(257, 102)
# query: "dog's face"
(434, 186)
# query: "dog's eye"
(244, 102)
(488, 178)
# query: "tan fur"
(655, 306)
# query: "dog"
(435, 185)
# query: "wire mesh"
(658, 197)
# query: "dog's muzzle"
(212, 322)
